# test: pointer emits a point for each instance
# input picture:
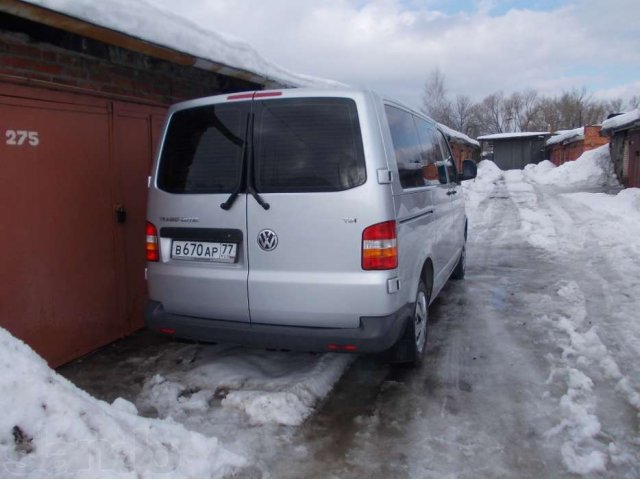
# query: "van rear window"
(203, 149)
(297, 145)
(307, 145)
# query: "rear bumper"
(375, 334)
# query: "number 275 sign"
(22, 137)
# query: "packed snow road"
(530, 369)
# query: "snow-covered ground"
(530, 369)
(531, 366)
(213, 411)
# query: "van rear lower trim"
(375, 334)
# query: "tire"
(461, 267)
(410, 348)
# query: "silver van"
(302, 219)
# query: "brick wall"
(561, 153)
(33, 51)
(593, 138)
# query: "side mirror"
(469, 170)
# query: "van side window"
(433, 170)
(407, 146)
(203, 150)
(448, 159)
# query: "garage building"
(514, 150)
(624, 133)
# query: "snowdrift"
(50, 428)
(591, 169)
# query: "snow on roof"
(620, 121)
(568, 136)
(503, 136)
(152, 23)
(454, 134)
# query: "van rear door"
(305, 248)
(203, 266)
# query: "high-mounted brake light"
(153, 254)
(267, 94)
(240, 96)
(380, 246)
(246, 96)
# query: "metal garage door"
(72, 277)
(137, 130)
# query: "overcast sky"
(480, 45)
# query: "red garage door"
(72, 276)
(137, 129)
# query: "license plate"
(205, 251)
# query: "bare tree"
(519, 111)
(526, 111)
(463, 114)
(493, 114)
(615, 105)
(435, 101)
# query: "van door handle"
(121, 214)
(452, 192)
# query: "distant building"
(568, 145)
(514, 150)
(462, 146)
(624, 134)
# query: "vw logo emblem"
(268, 240)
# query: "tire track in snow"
(596, 437)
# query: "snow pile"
(147, 21)
(592, 169)
(626, 204)
(255, 388)
(538, 169)
(623, 120)
(50, 428)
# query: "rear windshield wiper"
(248, 170)
(232, 198)
(226, 205)
(258, 198)
(251, 183)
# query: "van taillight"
(380, 246)
(153, 255)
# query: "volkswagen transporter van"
(317, 220)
